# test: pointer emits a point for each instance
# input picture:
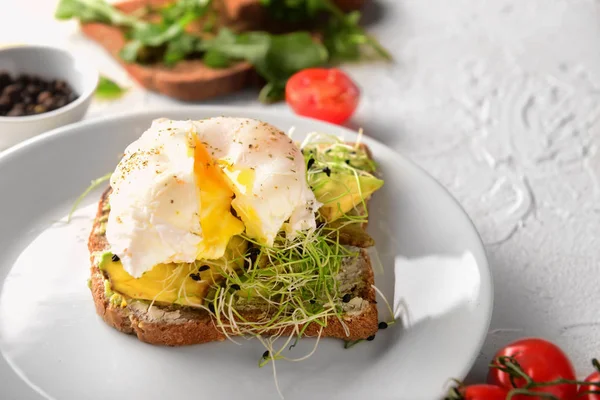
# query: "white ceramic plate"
(53, 344)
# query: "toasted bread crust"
(194, 326)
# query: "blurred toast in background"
(191, 80)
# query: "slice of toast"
(176, 325)
(191, 80)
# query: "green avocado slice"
(340, 192)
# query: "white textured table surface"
(500, 101)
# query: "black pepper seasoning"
(371, 338)
(382, 325)
(310, 163)
(347, 297)
(266, 354)
(204, 268)
(235, 286)
(115, 258)
(327, 171)
(252, 254)
(195, 277)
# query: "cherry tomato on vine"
(543, 362)
(593, 377)
(321, 93)
(483, 392)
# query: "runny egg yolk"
(242, 183)
(217, 221)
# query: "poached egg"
(185, 188)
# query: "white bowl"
(49, 63)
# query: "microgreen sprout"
(93, 185)
(285, 277)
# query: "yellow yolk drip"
(251, 220)
(242, 183)
(218, 224)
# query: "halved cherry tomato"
(581, 395)
(325, 94)
(543, 362)
(483, 392)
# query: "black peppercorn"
(5, 105)
(383, 325)
(347, 297)
(17, 111)
(115, 258)
(13, 91)
(235, 286)
(252, 255)
(23, 79)
(4, 80)
(32, 89)
(370, 338)
(43, 96)
(195, 277)
(204, 268)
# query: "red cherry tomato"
(543, 362)
(483, 392)
(325, 94)
(594, 377)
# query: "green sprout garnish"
(295, 279)
(93, 185)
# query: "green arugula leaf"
(216, 59)
(272, 92)
(177, 10)
(343, 36)
(291, 53)
(180, 47)
(155, 35)
(342, 39)
(94, 11)
(275, 57)
(108, 89)
(293, 10)
(251, 46)
(129, 52)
